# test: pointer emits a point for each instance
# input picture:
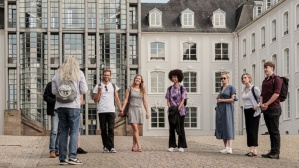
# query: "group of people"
(255, 102)
(106, 94)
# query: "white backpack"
(67, 92)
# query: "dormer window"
(257, 10)
(187, 18)
(155, 18)
(218, 19)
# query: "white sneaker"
(112, 150)
(105, 150)
(181, 149)
(170, 149)
(224, 150)
(229, 150)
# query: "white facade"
(203, 100)
(282, 47)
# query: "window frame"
(189, 82)
(286, 61)
(190, 117)
(263, 37)
(165, 118)
(273, 37)
(189, 55)
(229, 48)
(155, 12)
(187, 15)
(150, 82)
(253, 43)
(244, 48)
(217, 15)
(150, 51)
(285, 24)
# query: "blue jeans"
(54, 136)
(69, 120)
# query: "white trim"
(165, 119)
(271, 31)
(251, 42)
(296, 56)
(220, 13)
(263, 45)
(198, 112)
(283, 24)
(284, 59)
(296, 16)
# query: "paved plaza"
(32, 151)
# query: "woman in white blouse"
(251, 96)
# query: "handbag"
(126, 109)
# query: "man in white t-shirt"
(104, 96)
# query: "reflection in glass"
(12, 49)
(112, 14)
(73, 46)
(33, 13)
(189, 51)
(191, 117)
(92, 18)
(12, 16)
(221, 51)
(133, 50)
(73, 14)
(54, 15)
(12, 89)
(157, 117)
(190, 81)
(157, 51)
(157, 82)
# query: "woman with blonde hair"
(136, 97)
(225, 114)
(251, 95)
(69, 80)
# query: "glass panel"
(73, 46)
(91, 15)
(54, 14)
(73, 14)
(112, 14)
(12, 16)
(33, 13)
(157, 117)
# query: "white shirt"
(106, 102)
(252, 99)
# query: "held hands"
(264, 106)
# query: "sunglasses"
(106, 88)
(222, 78)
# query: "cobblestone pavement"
(29, 151)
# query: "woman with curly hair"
(135, 115)
(176, 96)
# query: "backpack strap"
(253, 93)
(169, 90)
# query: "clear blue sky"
(155, 1)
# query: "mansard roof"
(203, 9)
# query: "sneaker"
(171, 149)
(52, 155)
(224, 150)
(181, 149)
(57, 153)
(229, 150)
(63, 162)
(75, 161)
(112, 150)
(105, 150)
(81, 151)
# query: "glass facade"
(51, 30)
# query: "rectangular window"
(112, 14)
(92, 119)
(133, 17)
(157, 82)
(190, 81)
(12, 89)
(263, 37)
(297, 57)
(12, 49)
(133, 50)
(91, 80)
(258, 10)
(297, 16)
(92, 54)
(73, 45)
(187, 19)
(73, 14)
(219, 20)
(221, 51)
(12, 16)
(297, 104)
(54, 14)
(54, 52)
(253, 43)
(285, 23)
(288, 107)
(244, 48)
(158, 117)
(191, 117)
(217, 82)
(157, 51)
(287, 61)
(273, 33)
(262, 72)
(32, 14)
(189, 51)
(133, 73)
(244, 70)
(92, 17)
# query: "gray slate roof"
(236, 15)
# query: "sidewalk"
(24, 151)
